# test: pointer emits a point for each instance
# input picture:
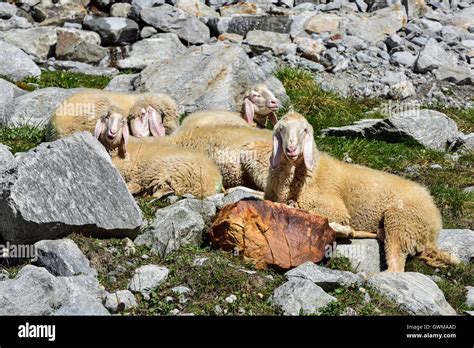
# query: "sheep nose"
(291, 148)
(274, 103)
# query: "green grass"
(327, 109)
(149, 206)
(62, 79)
(22, 138)
(210, 283)
(452, 281)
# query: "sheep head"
(293, 139)
(261, 101)
(145, 121)
(112, 130)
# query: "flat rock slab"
(430, 128)
(16, 64)
(326, 278)
(62, 187)
(416, 293)
(300, 296)
(271, 234)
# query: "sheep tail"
(435, 257)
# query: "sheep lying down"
(259, 106)
(400, 212)
(242, 153)
(156, 168)
(144, 112)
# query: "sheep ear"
(273, 118)
(249, 111)
(277, 150)
(99, 127)
(124, 141)
(156, 126)
(308, 151)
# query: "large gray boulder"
(458, 242)
(35, 291)
(416, 293)
(62, 187)
(207, 77)
(114, 31)
(37, 42)
(147, 51)
(179, 224)
(363, 254)
(36, 108)
(62, 257)
(300, 296)
(261, 41)
(430, 128)
(326, 278)
(16, 64)
(169, 19)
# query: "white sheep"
(259, 106)
(156, 168)
(241, 153)
(402, 212)
(81, 111)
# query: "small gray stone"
(403, 58)
(148, 277)
(261, 41)
(432, 56)
(120, 300)
(5, 155)
(122, 83)
(364, 254)
(470, 296)
(62, 257)
(455, 74)
(327, 279)
(414, 292)
(179, 224)
(300, 296)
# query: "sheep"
(80, 112)
(112, 131)
(398, 211)
(241, 153)
(259, 106)
(156, 168)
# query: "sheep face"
(293, 141)
(146, 122)
(261, 101)
(112, 131)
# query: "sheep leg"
(348, 232)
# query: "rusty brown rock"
(271, 234)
